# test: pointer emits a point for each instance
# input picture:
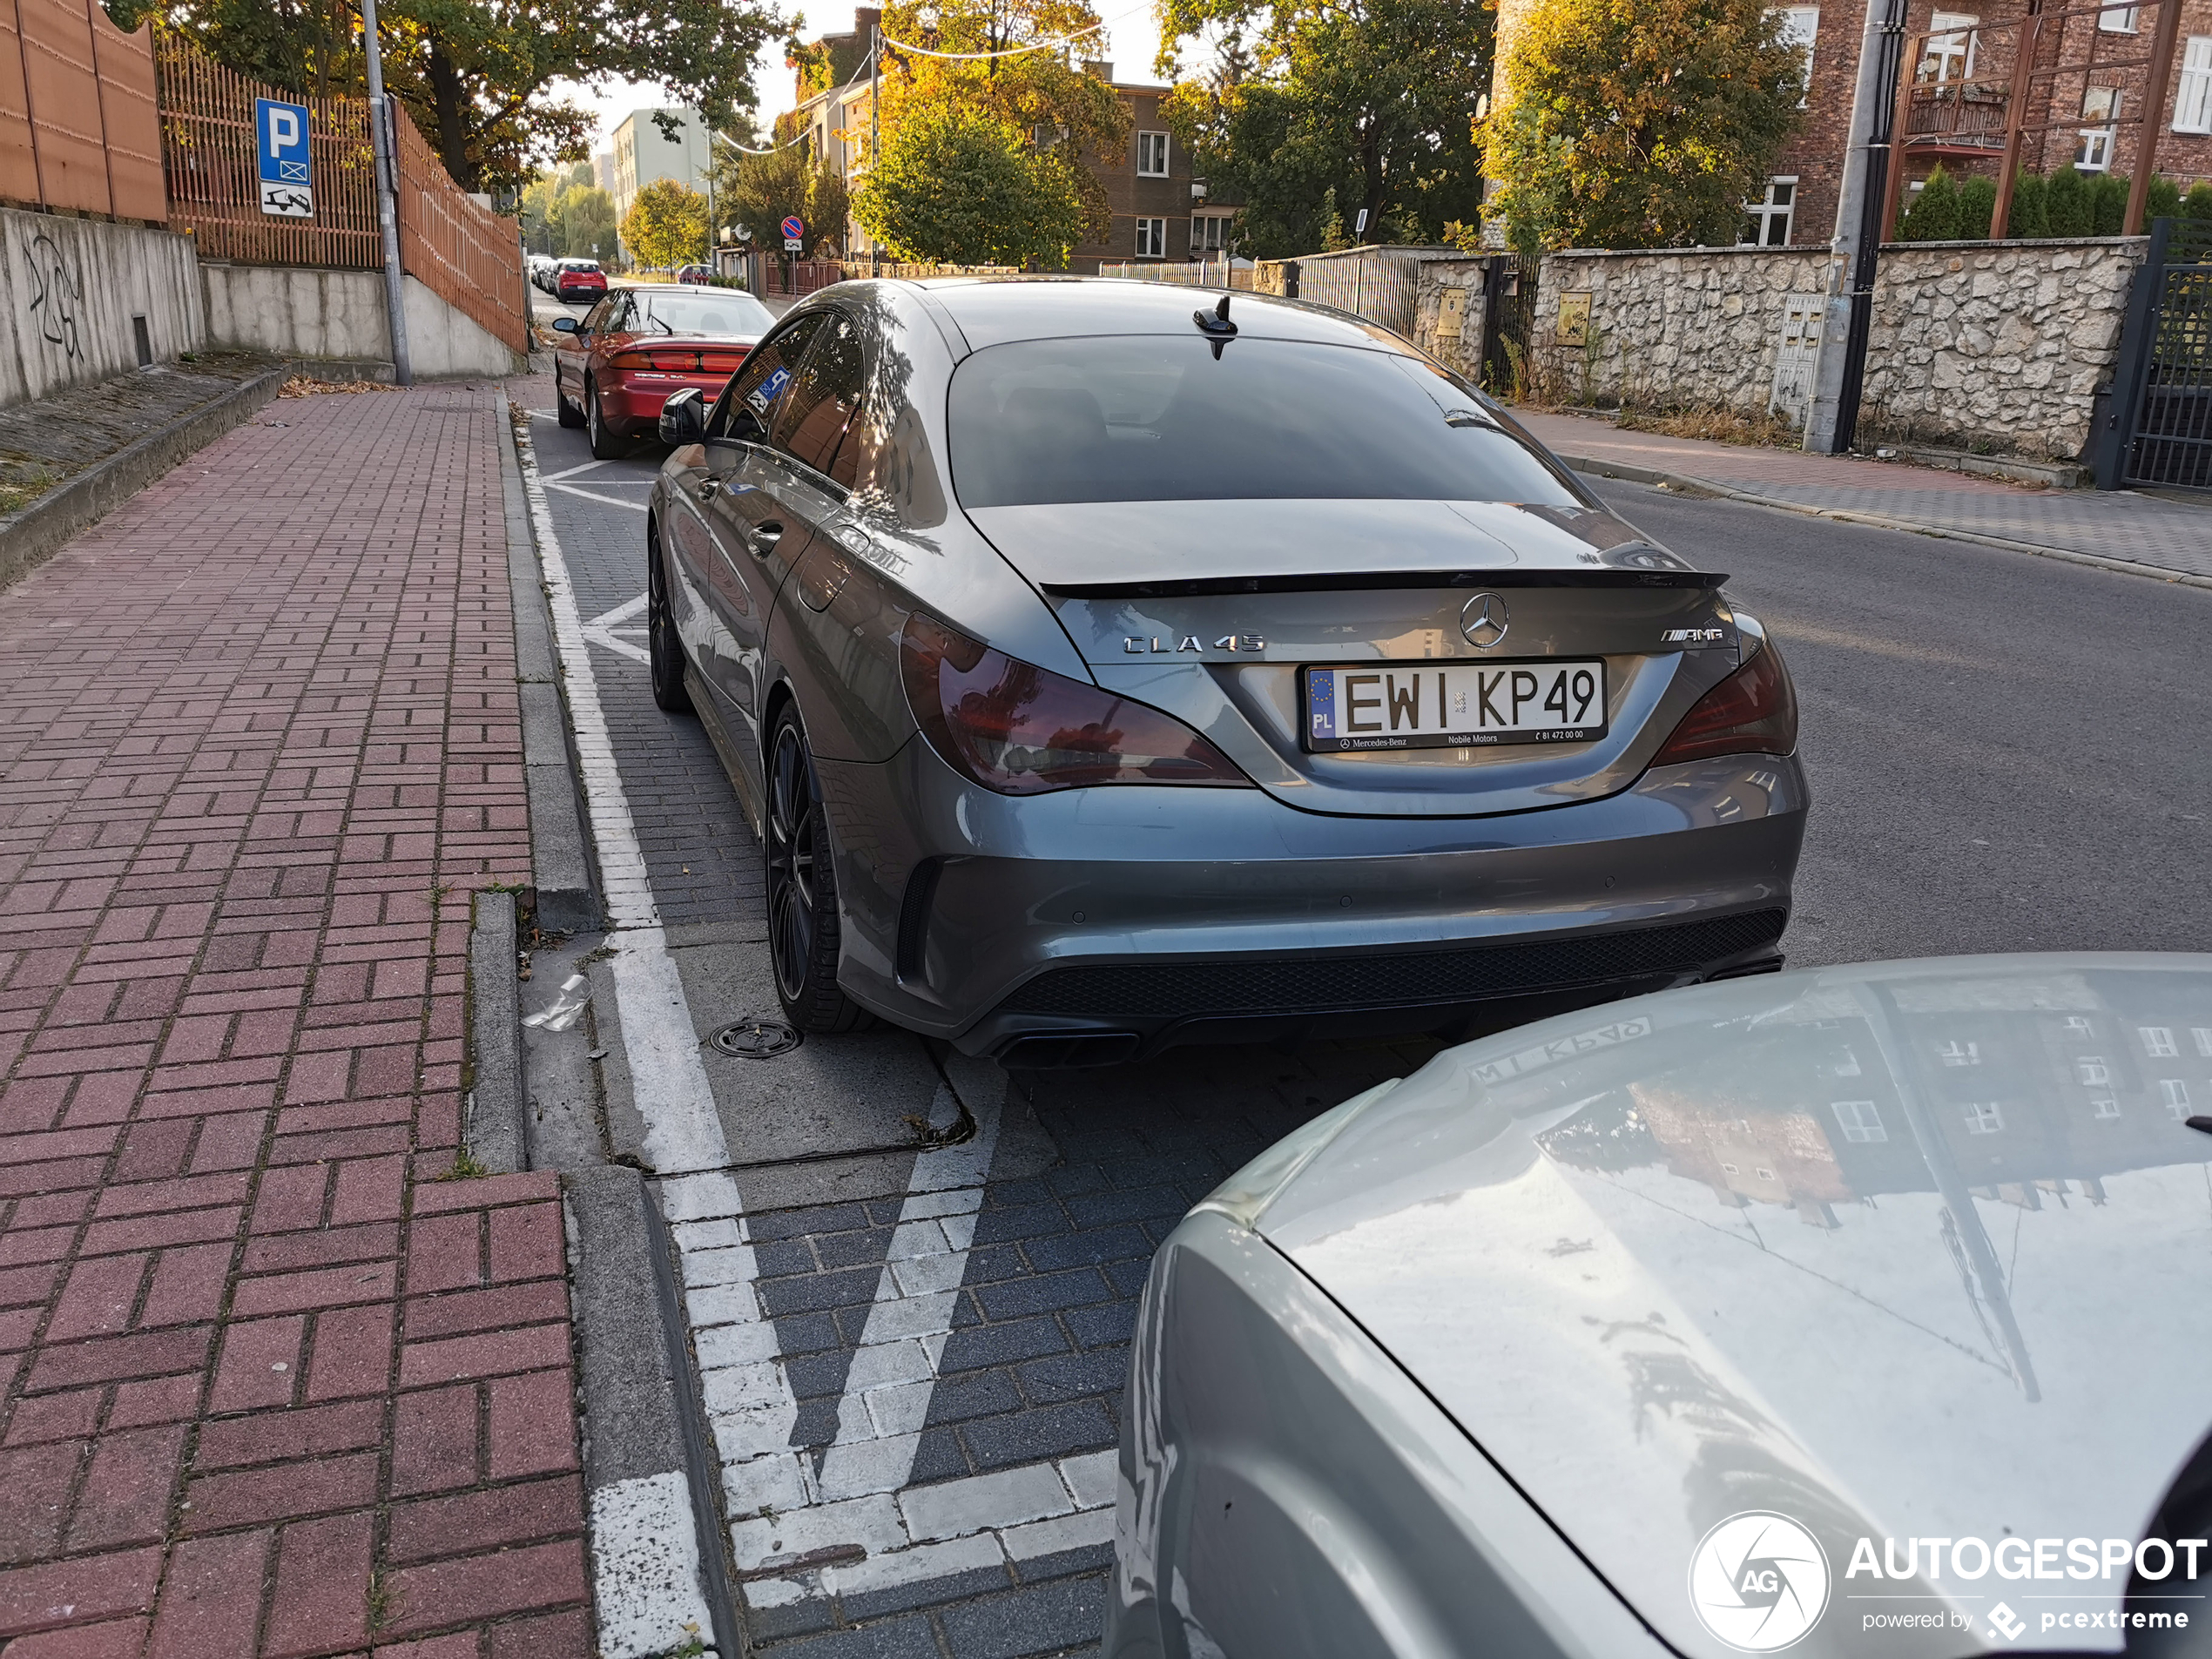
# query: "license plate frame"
(1484, 692)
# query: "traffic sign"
(792, 244)
(794, 229)
(281, 135)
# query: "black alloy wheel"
(663, 644)
(802, 891)
(572, 417)
(605, 445)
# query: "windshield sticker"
(766, 393)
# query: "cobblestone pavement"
(2115, 524)
(267, 1386)
(943, 1358)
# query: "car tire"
(570, 416)
(663, 644)
(606, 445)
(802, 934)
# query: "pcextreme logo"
(1758, 1582)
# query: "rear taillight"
(631, 359)
(1752, 712)
(1021, 730)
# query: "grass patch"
(1714, 426)
(465, 1168)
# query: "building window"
(2204, 1036)
(2093, 1071)
(2193, 103)
(1860, 1121)
(1209, 232)
(2104, 1109)
(1800, 27)
(2174, 1095)
(1984, 1117)
(2076, 1026)
(1955, 1053)
(1151, 238)
(1847, 1066)
(1953, 41)
(1766, 222)
(1764, 1173)
(1151, 155)
(2158, 1040)
(1730, 1169)
(2094, 153)
(2117, 20)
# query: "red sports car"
(613, 371)
(578, 280)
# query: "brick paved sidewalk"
(2117, 524)
(267, 1388)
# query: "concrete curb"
(43, 529)
(1595, 467)
(561, 861)
(494, 1135)
(647, 1466)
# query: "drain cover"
(755, 1039)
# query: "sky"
(1131, 32)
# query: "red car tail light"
(1021, 730)
(1752, 712)
(631, 359)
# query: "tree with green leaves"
(760, 191)
(665, 225)
(958, 187)
(1640, 123)
(583, 220)
(484, 80)
(1349, 106)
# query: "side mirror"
(564, 325)
(683, 418)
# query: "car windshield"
(1162, 418)
(702, 311)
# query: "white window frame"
(1859, 1120)
(2118, 20)
(1759, 217)
(2193, 96)
(2174, 1095)
(2158, 1040)
(1152, 148)
(1151, 238)
(2078, 1025)
(2093, 152)
(2093, 1071)
(2107, 1109)
(2204, 1036)
(1954, 1052)
(1199, 244)
(1801, 27)
(1954, 39)
(1984, 1116)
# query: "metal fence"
(1179, 276)
(461, 250)
(78, 128)
(1377, 283)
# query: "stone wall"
(301, 312)
(1461, 353)
(1998, 346)
(75, 290)
(1675, 327)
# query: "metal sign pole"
(387, 223)
(875, 129)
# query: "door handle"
(765, 535)
(709, 488)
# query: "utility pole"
(381, 134)
(1831, 417)
(875, 127)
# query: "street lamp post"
(387, 219)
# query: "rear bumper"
(1153, 916)
(631, 402)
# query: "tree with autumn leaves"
(1640, 123)
(665, 225)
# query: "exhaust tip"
(1068, 1050)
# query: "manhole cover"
(755, 1039)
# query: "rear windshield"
(1156, 417)
(710, 311)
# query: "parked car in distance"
(535, 267)
(614, 369)
(696, 274)
(574, 279)
(1147, 677)
(1661, 1329)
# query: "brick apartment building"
(1148, 186)
(1961, 80)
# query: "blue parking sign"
(281, 135)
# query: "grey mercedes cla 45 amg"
(1102, 674)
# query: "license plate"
(1452, 705)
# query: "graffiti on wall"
(55, 293)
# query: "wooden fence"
(77, 123)
(461, 250)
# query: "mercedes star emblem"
(1484, 620)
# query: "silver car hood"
(1911, 1250)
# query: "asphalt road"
(2005, 755)
(2007, 752)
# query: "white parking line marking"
(610, 500)
(641, 1528)
(571, 472)
(600, 631)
